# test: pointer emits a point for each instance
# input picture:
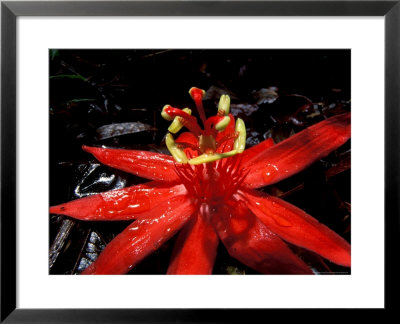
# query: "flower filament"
(214, 141)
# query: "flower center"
(207, 144)
(212, 183)
(220, 138)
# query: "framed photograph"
(196, 152)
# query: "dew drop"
(270, 172)
(139, 205)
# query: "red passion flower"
(206, 190)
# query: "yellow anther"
(177, 153)
(206, 158)
(224, 105)
(240, 141)
(196, 90)
(221, 125)
(165, 115)
(177, 124)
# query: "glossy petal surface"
(142, 238)
(195, 249)
(250, 242)
(120, 204)
(254, 151)
(295, 153)
(297, 227)
(148, 165)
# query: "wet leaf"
(81, 100)
(94, 245)
(113, 130)
(243, 109)
(68, 76)
(59, 242)
(214, 93)
(266, 95)
(94, 178)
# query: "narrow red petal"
(119, 204)
(195, 250)
(148, 165)
(142, 238)
(250, 242)
(296, 153)
(297, 227)
(254, 151)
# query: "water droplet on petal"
(270, 172)
(139, 204)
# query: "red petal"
(195, 249)
(250, 242)
(190, 142)
(295, 226)
(142, 238)
(296, 153)
(120, 204)
(257, 149)
(188, 138)
(149, 165)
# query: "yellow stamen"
(224, 105)
(240, 141)
(165, 115)
(176, 152)
(177, 124)
(205, 158)
(220, 126)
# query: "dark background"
(276, 92)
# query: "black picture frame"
(10, 10)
